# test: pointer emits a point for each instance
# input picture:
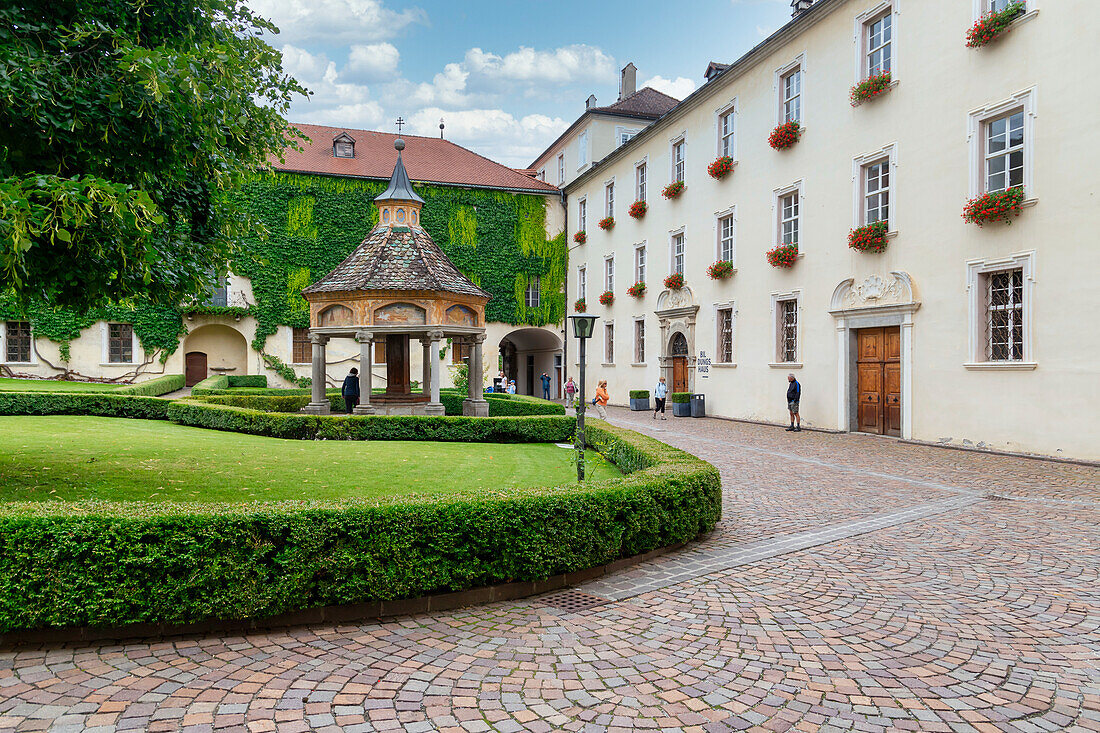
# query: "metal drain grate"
(573, 601)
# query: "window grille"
(788, 330)
(18, 341)
(303, 349)
(639, 341)
(880, 35)
(120, 343)
(725, 335)
(876, 192)
(609, 343)
(1005, 315)
(1004, 152)
(788, 219)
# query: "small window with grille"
(639, 341)
(725, 335)
(609, 343)
(17, 339)
(1004, 294)
(120, 343)
(302, 348)
(787, 316)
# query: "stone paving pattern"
(942, 590)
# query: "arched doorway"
(678, 348)
(528, 353)
(214, 348)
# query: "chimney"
(798, 7)
(628, 83)
(590, 102)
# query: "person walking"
(660, 392)
(350, 390)
(570, 392)
(545, 378)
(601, 399)
(794, 394)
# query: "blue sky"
(507, 77)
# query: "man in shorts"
(794, 394)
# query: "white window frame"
(641, 179)
(105, 346)
(860, 39)
(582, 150)
(976, 271)
(981, 7)
(620, 130)
(609, 198)
(641, 263)
(672, 145)
(975, 129)
(542, 175)
(719, 217)
(609, 344)
(672, 251)
(777, 214)
(732, 308)
(4, 344)
(582, 214)
(561, 168)
(534, 285)
(582, 282)
(780, 74)
(777, 329)
(730, 109)
(860, 162)
(639, 342)
(609, 273)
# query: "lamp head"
(583, 325)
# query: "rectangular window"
(639, 341)
(678, 152)
(1005, 315)
(582, 283)
(380, 352)
(787, 314)
(876, 191)
(542, 174)
(678, 254)
(626, 136)
(302, 348)
(996, 6)
(582, 214)
(531, 297)
(561, 169)
(582, 149)
(725, 335)
(609, 192)
(609, 274)
(18, 339)
(879, 44)
(792, 95)
(120, 343)
(639, 264)
(1004, 151)
(725, 134)
(788, 218)
(725, 238)
(639, 182)
(219, 296)
(459, 352)
(609, 343)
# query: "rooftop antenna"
(440, 128)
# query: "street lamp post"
(583, 325)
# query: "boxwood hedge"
(154, 387)
(281, 401)
(247, 380)
(103, 404)
(111, 564)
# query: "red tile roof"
(647, 103)
(427, 159)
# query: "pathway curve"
(854, 583)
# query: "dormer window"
(343, 146)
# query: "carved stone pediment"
(675, 299)
(896, 290)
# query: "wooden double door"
(878, 375)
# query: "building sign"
(702, 365)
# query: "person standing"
(545, 378)
(512, 387)
(570, 391)
(350, 390)
(660, 392)
(601, 399)
(794, 394)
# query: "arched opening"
(214, 349)
(678, 350)
(336, 315)
(525, 355)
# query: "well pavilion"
(395, 286)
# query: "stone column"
(435, 407)
(319, 404)
(475, 404)
(426, 379)
(366, 376)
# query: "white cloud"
(374, 62)
(335, 21)
(680, 87)
(563, 65)
(447, 88)
(494, 133)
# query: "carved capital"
(477, 338)
(364, 337)
(435, 335)
(318, 338)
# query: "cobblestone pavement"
(855, 583)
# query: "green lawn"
(52, 385)
(74, 458)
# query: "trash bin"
(698, 405)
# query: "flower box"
(638, 209)
(673, 190)
(996, 206)
(607, 223)
(607, 298)
(869, 88)
(580, 306)
(580, 237)
(785, 136)
(674, 281)
(785, 255)
(720, 168)
(720, 270)
(637, 290)
(992, 26)
(868, 238)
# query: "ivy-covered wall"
(497, 239)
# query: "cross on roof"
(400, 122)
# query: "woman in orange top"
(601, 399)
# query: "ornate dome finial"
(399, 144)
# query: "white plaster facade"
(929, 130)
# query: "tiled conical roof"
(400, 188)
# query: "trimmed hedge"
(294, 402)
(639, 394)
(247, 380)
(111, 564)
(102, 404)
(154, 387)
(206, 386)
(680, 398)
